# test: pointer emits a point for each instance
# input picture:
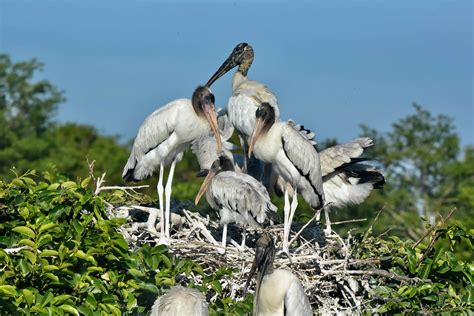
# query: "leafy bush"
(443, 282)
(60, 254)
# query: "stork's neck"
(237, 79)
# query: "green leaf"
(8, 290)
(48, 268)
(49, 253)
(69, 309)
(29, 254)
(25, 231)
(29, 296)
(47, 298)
(52, 277)
(69, 185)
(47, 226)
(27, 242)
(136, 273)
(61, 298)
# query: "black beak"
(228, 64)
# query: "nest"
(334, 279)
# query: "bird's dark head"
(203, 104)
(241, 56)
(263, 261)
(265, 118)
(222, 163)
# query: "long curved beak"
(262, 262)
(257, 131)
(211, 117)
(223, 69)
(204, 186)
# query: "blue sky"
(332, 64)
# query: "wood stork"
(293, 157)
(161, 140)
(278, 291)
(205, 147)
(346, 181)
(180, 301)
(247, 95)
(239, 197)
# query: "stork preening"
(180, 301)
(294, 159)
(161, 140)
(240, 198)
(247, 95)
(278, 292)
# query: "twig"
(378, 272)
(350, 221)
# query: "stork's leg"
(286, 215)
(318, 215)
(294, 205)
(243, 143)
(224, 239)
(244, 233)
(328, 221)
(151, 220)
(168, 198)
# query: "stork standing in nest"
(161, 140)
(239, 197)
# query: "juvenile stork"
(247, 95)
(294, 159)
(180, 301)
(278, 292)
(205, 147)
(239, 197)
(161, 140)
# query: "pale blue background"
(333, 64)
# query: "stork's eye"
(213, 99)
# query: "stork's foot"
(164, 241)
(285, 253)
(221, 251)
(327, 231)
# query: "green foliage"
(442, 281)
(61, 254)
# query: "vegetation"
(60, 253)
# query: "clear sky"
(332, 64)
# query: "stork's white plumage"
(180, 301)
(278, 292)
(293, 157)
(247, 94)
(347, 181)
(239, 197)
(205, 147)
(161, 140)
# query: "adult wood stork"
(247, 95)
(161, 140)
(293, 157)
(346, 180)
(180, 301)
(239, 197)
(278, 292)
